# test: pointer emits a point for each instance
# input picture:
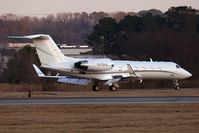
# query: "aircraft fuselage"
(142, 69)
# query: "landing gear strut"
(176, 84)
(112, 88)
(96, 86)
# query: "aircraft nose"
(187, 74)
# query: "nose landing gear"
(176, 84)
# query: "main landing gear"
(176, 84)
(96, 87)
(112, 88)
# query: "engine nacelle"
(95, 64)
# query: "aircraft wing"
(62, 79)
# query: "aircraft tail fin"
(47, 50)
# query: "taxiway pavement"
(99, 100)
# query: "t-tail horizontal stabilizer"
(63, 79)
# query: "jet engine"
(95, 64)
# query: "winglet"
(38, 71)
(131, 71)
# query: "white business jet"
(82, 71)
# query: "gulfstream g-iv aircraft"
(82, 71)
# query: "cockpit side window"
(177, 66)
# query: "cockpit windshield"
(177, 66)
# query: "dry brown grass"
(132, 92)
(53, 86)
(19, 87)
(155, 118)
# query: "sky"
(44, 7)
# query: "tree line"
(172, 36)
(69, 28)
